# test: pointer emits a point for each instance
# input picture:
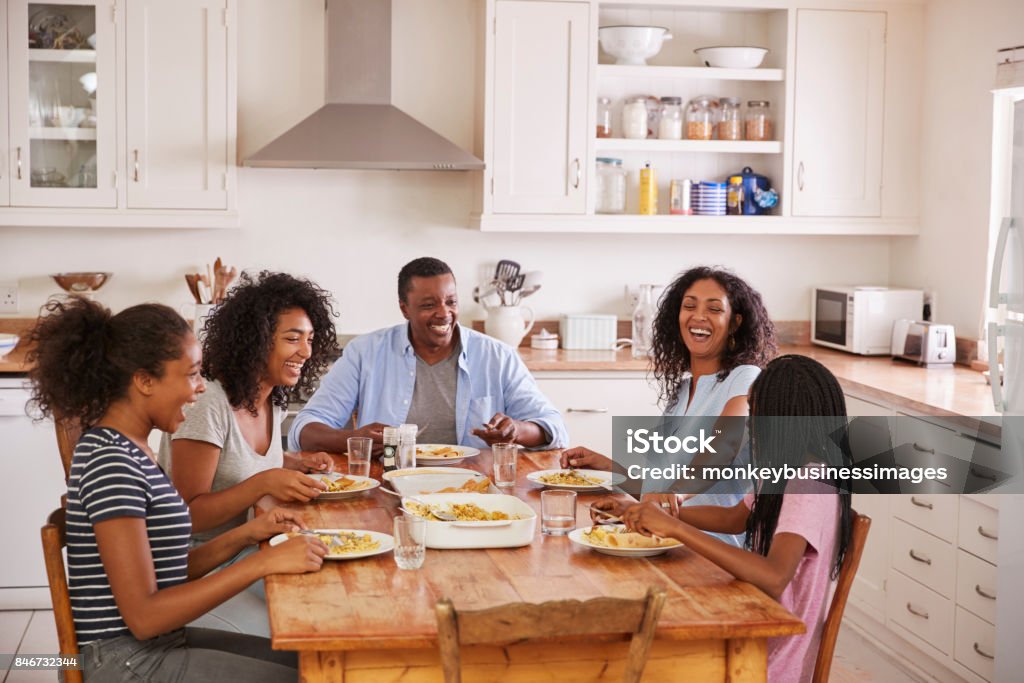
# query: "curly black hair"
(239, 335)
(755, 337)
(424, 266)
(84, 357)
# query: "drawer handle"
(981, 530)
(587, 410)
(977, 589)
(910, 608)
(921, 449)
(925, 560)
(579, 174)
(915, 501)
(983, 653)
(981, 475)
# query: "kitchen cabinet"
(539, 111)
(840, 90)
(5, 183)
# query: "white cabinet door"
(177, 98)
(539, 109)
(61, 104)
(838, 113)
(5, 182)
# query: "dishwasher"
(31, 484)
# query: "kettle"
(758, 197)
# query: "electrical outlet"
(8, 297)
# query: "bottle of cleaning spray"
(648, 191)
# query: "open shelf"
(71, 56)
(48, 133)
(689, 72)
(654, 145)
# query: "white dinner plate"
(369, 483)
(417, 471)
(386, 541)
(607, 479)
(577, 537)
(423, 453)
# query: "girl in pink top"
(796, 532)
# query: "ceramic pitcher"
(509, 323)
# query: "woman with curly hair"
(271, 337)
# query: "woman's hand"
(297, 555)
(585, 458)
(609, 505)
(313, 462)
(290, 485)
(651, 519)
(669, 502)
(277, 521)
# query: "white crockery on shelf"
(732, 57)
(632, 44)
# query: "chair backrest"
(830, 630)
(54, 535)
(69, 430)
(519, 621)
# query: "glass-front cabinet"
(61, 109)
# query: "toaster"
(927, 344)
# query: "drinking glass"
(504, 455)
(410, 541)
(557, 512)
(359, 449)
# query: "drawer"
(924, 558)
(934, 513)
(976, 585)
(918, 443)
(975, 644)
(987, 466)
(978, 529)
(921, 611)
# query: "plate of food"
(341, 486)
(576, 480)
(434, 453)
(614, 539)
(346, 544)
(473, 520)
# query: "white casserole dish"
(511, 533)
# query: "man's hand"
(500, 429)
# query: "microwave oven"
(860, 319)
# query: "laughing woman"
(134, 582)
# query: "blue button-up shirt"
(376, 376)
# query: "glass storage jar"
(759, 121)
(700, 119)
(634, 118)
(611, 186)
(670, 119)
(604, 117)
(730, 122)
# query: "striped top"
(110, 478)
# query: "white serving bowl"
(632, 44)
(732, 57)
(7, 343)
(88, 82)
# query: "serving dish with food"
(436, 453)
(346, 544)
(576, 480)
(615, 539)
(341, 486)
(482, 520)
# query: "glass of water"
(557, 512)
(504, 455)
(410, 541)
(359, 449)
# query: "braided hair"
(789, 390)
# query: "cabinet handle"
(587, 410)
(910, 608)
(981, 530)
(135, 175)
(800, 176)
(19, 163)
(983, 653)
(915, 501)
(925, 560)
(921, 449)
(977, 589)
(579, 173)
(981, 475)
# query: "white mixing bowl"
(732, 57)
(632, 44)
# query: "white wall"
(352, 230)
(960, 57)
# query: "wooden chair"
(520, 621)
(54, 539)
(68, 432)
(830, 630)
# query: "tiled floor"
(26, 632)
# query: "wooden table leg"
(321, 667)
(746, 660)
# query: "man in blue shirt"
(459, 386)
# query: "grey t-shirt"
(211, 419)
(433, 399)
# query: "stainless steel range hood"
(358, 127)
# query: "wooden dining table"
(366, 621)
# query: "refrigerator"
(1005, 332)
